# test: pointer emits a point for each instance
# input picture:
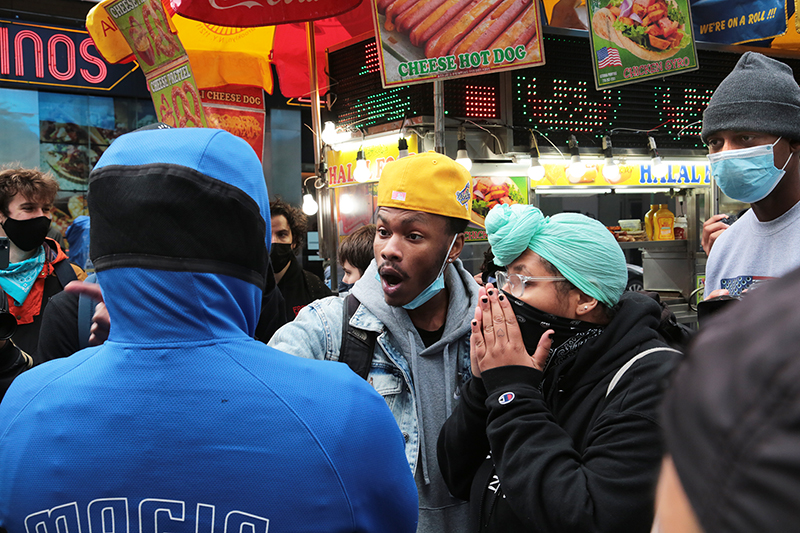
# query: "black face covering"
(345, 287)
(28, 234)
(280, 255)
(569, 334)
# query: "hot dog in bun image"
(424, 39)
(649, 29)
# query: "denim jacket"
(316, 333)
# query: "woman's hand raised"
(496, 339)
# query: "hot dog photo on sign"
(422, 40)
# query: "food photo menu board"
(64, 135)
(488, 192)
(636, 40)
(75, 130)
(424, 40)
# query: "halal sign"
(53, 56)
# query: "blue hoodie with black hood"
(182, 421)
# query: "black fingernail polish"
(501, 297)
(490, 292)
(485, 300)
(474, 322)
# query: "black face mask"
(534, 322)
(280, 255)
(28, 234)
(345, 287)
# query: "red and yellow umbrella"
(221, 54)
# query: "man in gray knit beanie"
(752, 129)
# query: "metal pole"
(312, 76)
(438, 116)
(326, 224)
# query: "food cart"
(674, 269)
(495, 117)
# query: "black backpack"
(358, 344)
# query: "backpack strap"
(64, 272)
(86, 307)
(632, 360)
(358, 345)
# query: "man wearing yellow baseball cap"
(413, 306)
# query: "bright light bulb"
(535, 171)
(348, 204)
(659, 168)
(611, 171)
(462, 158)
(310, 206)
(576, 169)
(361, 173)
(329, 135)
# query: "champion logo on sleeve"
(506, 397)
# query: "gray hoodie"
(436, 376)
(417, 383)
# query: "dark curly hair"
(31, 183)
(297, 220)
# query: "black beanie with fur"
(759, 95)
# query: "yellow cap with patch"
(430, 182)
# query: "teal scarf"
(18, 278)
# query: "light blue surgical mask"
(748, 174)
(434, 288)
(431, 290)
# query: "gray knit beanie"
(759, 95)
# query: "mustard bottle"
(664, 224)
(648, 221)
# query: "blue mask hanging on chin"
(431, 290)
(749, 174)
(434, 288)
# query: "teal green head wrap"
(581, 248)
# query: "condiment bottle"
(680, 227)
(663, 224)
(648, 222)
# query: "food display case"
(672, 268)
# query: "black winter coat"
(566, 455)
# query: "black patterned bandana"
(569, 335)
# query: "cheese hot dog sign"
(422, 40)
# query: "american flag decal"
(608, 57)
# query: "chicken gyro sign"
(423, 40)
(635, 40)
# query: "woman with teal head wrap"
(581, 248)
(567, 371)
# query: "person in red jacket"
(31, 276)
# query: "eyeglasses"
(514, 284)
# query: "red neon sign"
(55, 56)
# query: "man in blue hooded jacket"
(181, 421)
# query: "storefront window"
(19, 128)
(65, 134)
(75, 130)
